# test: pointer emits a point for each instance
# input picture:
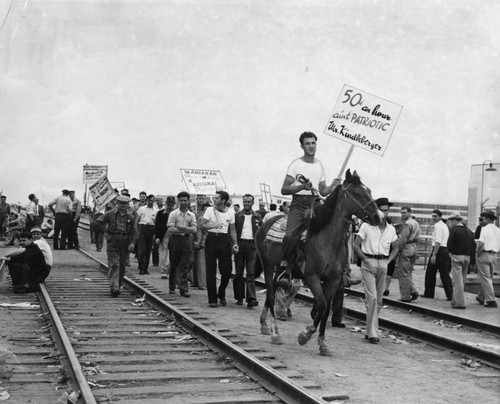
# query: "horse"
(324, 253)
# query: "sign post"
(363, 120)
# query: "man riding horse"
(305, 179)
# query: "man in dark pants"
(439, 260)
(146, 217)
(62, 219)
(246, 222)
(121, 233)
(75, 211)
(180, 225)
(160, 229)
(221, 235)
(27, 267)
(304, 177)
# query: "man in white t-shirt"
(305, 176)
(219, 244)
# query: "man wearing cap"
(439, 259)
(31, 211)
(181, 225)
(27, 266)
(146, 216)
(61, 209)
(462, 249)
(36, 232)
(262, 210)
(488, 246)
(372, 245)
(121, 233)
(4, 216)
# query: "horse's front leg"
(315, 288)
(323, 348)
(264, 328)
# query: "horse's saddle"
(277, 231)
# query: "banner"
(363, 120)
(102, 192)
(206, 182)
(92, 173)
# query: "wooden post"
(345, 162)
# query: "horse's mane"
(323, 213)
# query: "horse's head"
(358, 199)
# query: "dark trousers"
(144, 245)
(117, 249)
(61, 226)
(338, 303)
(295, 225)
(443, 265)
(245, 259)
(155, 252)
(218, 250)
(179, 252)
(73, 233)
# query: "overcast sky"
(149, 87)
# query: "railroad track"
(477, 340)
(142, 347)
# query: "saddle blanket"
(277, 231)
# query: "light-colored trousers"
(486, 263)
(459, 268)
(405, 264)
(164, 258)
(374, 284)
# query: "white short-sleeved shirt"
(314, 172)
(214, 216)
(490, 237)
(374, 241)
(440, 234)
(46, 251)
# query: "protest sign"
(92, 173)
(102, 192)
(206, 182)
(363, 120)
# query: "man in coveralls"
(121, 234)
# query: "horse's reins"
(363, 207)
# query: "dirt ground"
(393, 371)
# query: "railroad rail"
(464, 328)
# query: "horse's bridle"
(363, 207)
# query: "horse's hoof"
(282, 318)
(324, 351)
(289, 313)
(276, 340)
(265, 330)
(303, 338)
(284, 283)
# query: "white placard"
(102, 192)
(199, 181)
(92, 173)
(363, 120)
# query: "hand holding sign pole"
(363, 120)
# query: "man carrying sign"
(305, 177)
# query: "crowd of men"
(193, 243)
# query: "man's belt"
(244, 240)
(180, 235)
(119, 233)
(412, 242)
(490, 252)
(377, 256)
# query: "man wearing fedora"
(372, 245)
(488, 246)
(462, 249)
